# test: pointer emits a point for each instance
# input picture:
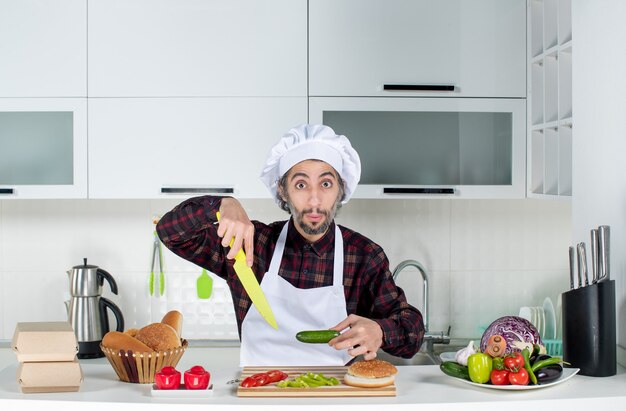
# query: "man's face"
(313, 195)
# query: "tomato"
(514, 362)
(499, 377)
(479, 366)
(276, 375)
(168, 378)
(519, 378)
(261, 378)
(249, 382)
(197, 378)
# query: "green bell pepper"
(479, 366)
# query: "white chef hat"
(313, 142)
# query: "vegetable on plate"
(454, 369)
(479, 366)
(515, 330)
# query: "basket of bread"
(137, 354)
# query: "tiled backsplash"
(484, 258)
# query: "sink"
(423, 357)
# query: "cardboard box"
(57, 376)
(44, 341)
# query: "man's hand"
(363, 337)
(235, 224)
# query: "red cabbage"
(512, 328)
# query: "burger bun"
(370, 374)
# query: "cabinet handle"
(193, 190)
(418, 87)
(397, 190)
(6, 191)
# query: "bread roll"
(121, 341)
(370, 374)
(131, 331)
(175, 320)
(159, 336)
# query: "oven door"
(432, 147)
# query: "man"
(314, 274)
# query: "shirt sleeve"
(402, 324)
(189, 231)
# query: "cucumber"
(316, 336)
(454, 369)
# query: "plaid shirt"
(189, 231)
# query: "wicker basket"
(141, 367)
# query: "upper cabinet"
(550, 98)
(191, 48)
(454, 48)
(180, 147)
(43, 45)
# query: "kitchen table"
(424, 386)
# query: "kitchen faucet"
(429, 338)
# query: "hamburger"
(370, 374)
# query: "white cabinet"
(550, 98)
(432, 147)
(478, 47)
(190, 48)
(180, 147)
(43, 45)
(43, 148)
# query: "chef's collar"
(320, 247)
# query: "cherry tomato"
(249, 382)
(276, 375)
(519, 378)
(167, 378)
(499, 377)
(514, 362)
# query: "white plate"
(567, 374)
(550, 328)
(448, 356)
(181, 392)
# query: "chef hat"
(313, 142)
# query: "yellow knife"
(251, 285)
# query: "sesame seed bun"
(370, 374)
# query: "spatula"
(204, 285)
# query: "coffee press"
(87, 309)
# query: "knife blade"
(252, 286)
(594, 256)
(604, 233)
(572, 263)
(582, 263)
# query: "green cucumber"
(316, 336)
(454, 369)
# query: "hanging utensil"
(204, 285)
(251, 285)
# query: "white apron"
(295, 310)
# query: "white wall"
(599, 134)
(485, 258)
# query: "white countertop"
(426, 386)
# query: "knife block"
(589, 329)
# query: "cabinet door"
(159, 148)
(43, 148)
(358, 46)
(164, 48)
(43, 45)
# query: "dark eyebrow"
(324, 174)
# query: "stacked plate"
(543, 318)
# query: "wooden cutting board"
(341, 390)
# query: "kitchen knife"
(604, 233)
(582, 264)
(252, 286)
(572, 263)
(594, 256)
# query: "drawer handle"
(195, 190)
(6, 191)
(418, 87)
(398, 190)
